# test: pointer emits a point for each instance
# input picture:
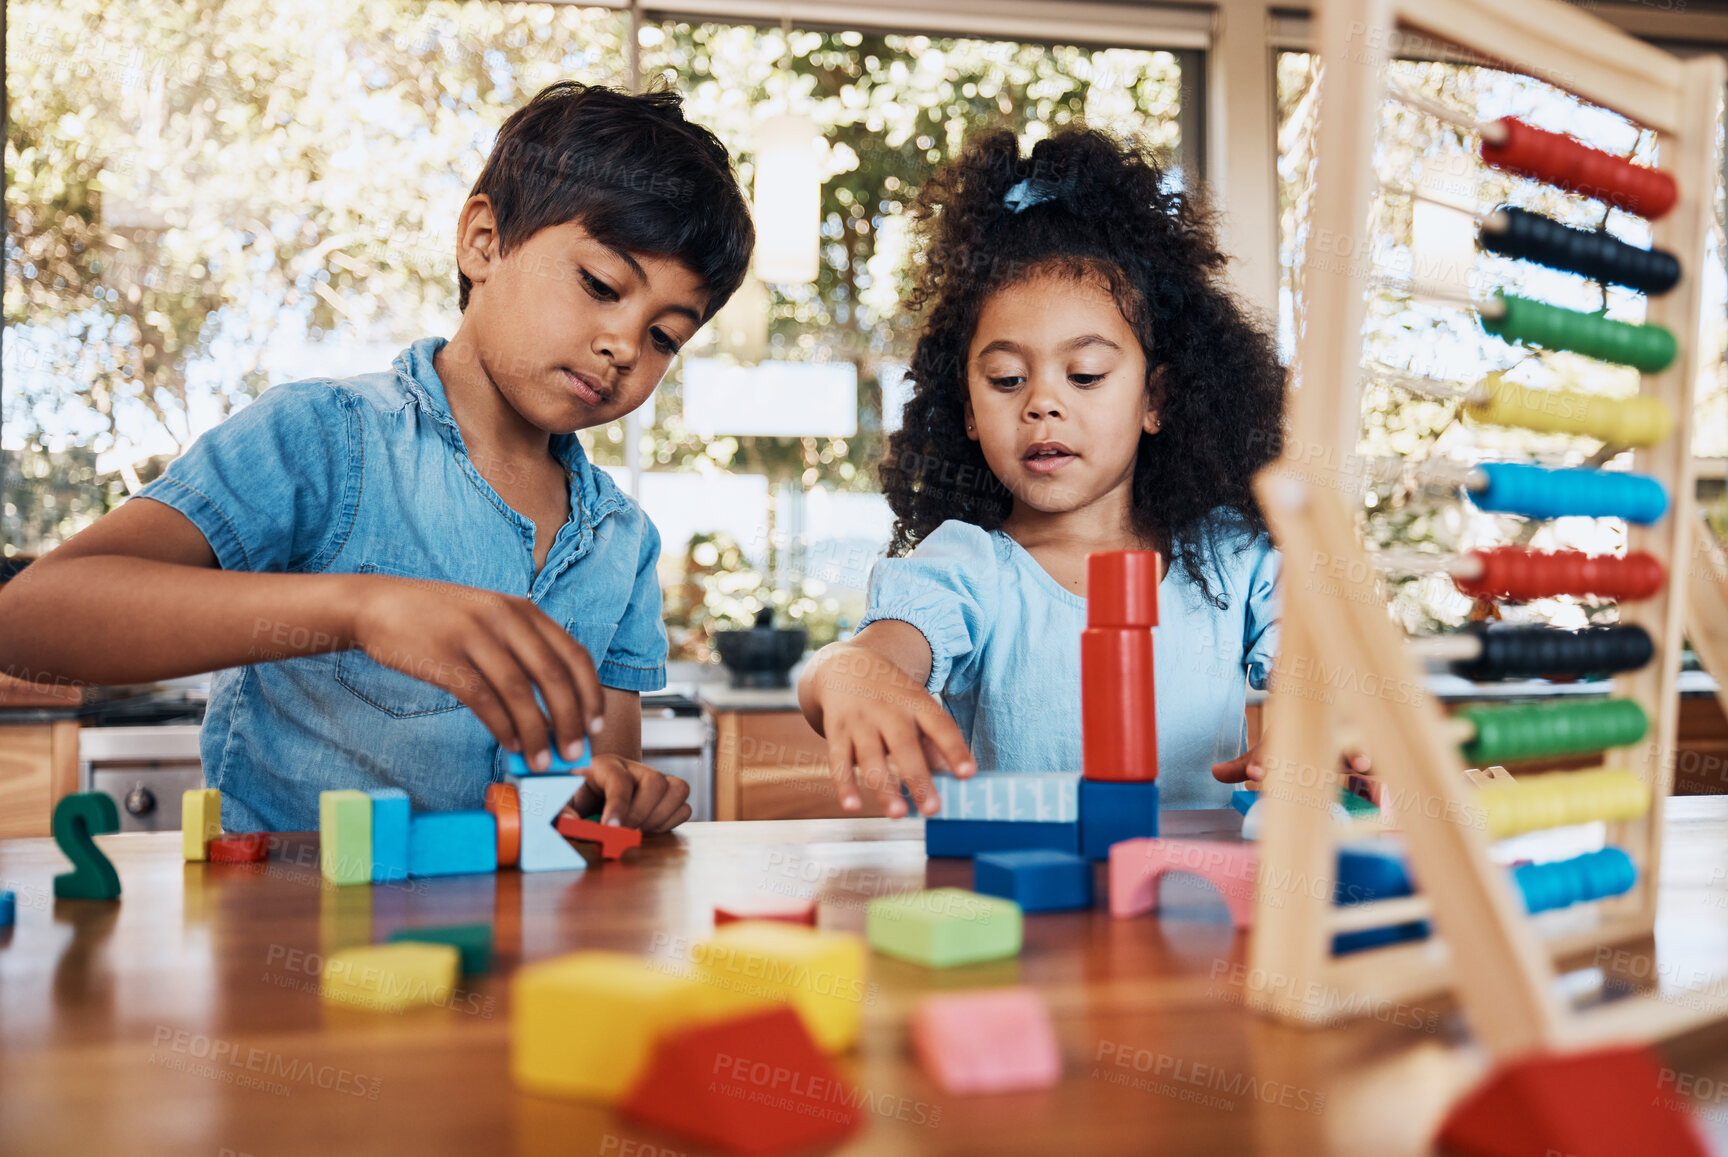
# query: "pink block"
(1136, 866)
(995, 1041)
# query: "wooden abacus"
(1345, 667)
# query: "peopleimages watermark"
(1326, 1003)
(249, 1067)
(304, 971)
(1182, 1079)
(775, 1086)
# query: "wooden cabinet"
(38, 765)
(769, 764)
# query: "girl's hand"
(632, 795)
(882, 724)
(491, 651)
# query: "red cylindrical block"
(1122, 588)
(1118, 725)
(1511, 572)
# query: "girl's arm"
(138, 596)
(867, 698)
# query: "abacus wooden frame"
(1343, 665)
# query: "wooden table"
(178, 1020)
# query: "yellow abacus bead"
(1635, 421)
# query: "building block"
(452, 843)
(1026, 797)
(560, 765)
(1037, 879)
(200, 821)
(785, 911)
(755, 1085)
(969, 837)
(391, 816)
(1366, 874)
(390, 977)
(473, 943)
(584, 1025)
(77, 819)
(614, 840)
(994, 1041)
(345, 836)
(540, 798)
(1113, 811)
(1136, 867)
(501, 801)
(1602, 1103)
(243, 849)
(1122, 588)
(8, 909)
(944, 927)
(1242, 799)
(1118, 726)
(820, 974)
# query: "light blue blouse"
(1005, 646)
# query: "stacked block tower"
(1119, 727)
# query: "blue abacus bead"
(1538, 492)
(8, 909)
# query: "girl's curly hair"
(1221, 393)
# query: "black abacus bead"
(1592, 253)
(1532, 652)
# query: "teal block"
(452, 843)
(542, 798)
(390, 819)
(560, 766)
(473, 941)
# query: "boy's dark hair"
(1106, 214)
(631, 169)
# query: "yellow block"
(200, 821)
(821, 974)
(585, 1025)
(391, 977)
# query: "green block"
(345, 836)
(944, 927)
(1355, 804)
(473, 941)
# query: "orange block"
(506, 808)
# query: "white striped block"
(1023, 796)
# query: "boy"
(391, 573)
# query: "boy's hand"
(632, 795)
(489, 650)
(881, 722)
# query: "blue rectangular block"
(1112, 811)
(1021, 796)
(560, 765)
(1038, 880)
(390, 818)
(1366, 874)
(969, 837)
(452, 843)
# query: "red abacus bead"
(1511, 572)
(1122, 588)
(244, 849)
(1567, 164)
(1118, 724)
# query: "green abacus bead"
(1506, 734)
(1649, 348)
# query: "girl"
(1082, 382)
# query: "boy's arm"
(628, 791)
(137, 597)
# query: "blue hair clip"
(1028, 193)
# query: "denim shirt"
(368, 475)
(1005, 651)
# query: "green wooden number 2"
(76, 819)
